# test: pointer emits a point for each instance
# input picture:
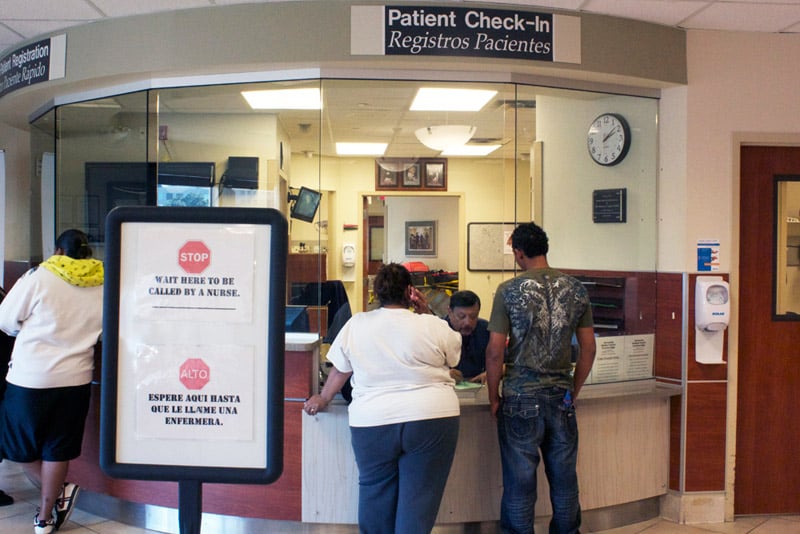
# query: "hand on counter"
(479, 379)
(315, 404)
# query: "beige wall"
(17, 208)
(741, 90)
(742, 87)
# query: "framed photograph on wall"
(412, 177)
(420, 238)
(436, 174)
(386, 179)
(420, 174)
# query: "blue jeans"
(527, 424)
(402, 472)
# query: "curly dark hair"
(391, 285)
(530, 239)
(75, 244)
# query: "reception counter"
(623, 456)
(623, 459)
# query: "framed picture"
(386, 179)
(412, 177)
(421, 174)
(436, 174)
(420, 238)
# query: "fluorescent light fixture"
(470, 150)
(442, 99)
(444, 136)
(284, 98)
(361, 149)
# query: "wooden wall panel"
(669, 321)
(280, 500)
(12, 270)
(675, 404)
(705, 436)
(299, 372)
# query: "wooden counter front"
(280, 500)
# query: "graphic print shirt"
(539, 310)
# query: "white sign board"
(190, 354)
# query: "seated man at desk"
(463, 317)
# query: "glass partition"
(43, 202)
(434, 185)
(101, 162)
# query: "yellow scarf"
(81, 273)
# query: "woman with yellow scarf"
(55, 311)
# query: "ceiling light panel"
(308, 98)
(361, 149)
(448, 99)
(470, 150)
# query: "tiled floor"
(18, 518)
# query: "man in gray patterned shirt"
(535, 317)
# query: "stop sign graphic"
(194, 257)
(195, 373)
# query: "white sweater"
(57, 325)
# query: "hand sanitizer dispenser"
(348, 255)
(712, 309)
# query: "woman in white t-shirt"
(404, 414)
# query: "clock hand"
(609, 134)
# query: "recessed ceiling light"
(361, 149)
(470, 150)
(447, 99)
(284, 98)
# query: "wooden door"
(768, 425)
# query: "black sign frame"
(275, 343)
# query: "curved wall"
(258, 38)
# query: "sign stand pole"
(190, 506)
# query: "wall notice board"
(487, 248)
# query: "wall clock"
(608, 139)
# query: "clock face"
(608, 139)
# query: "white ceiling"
(24, 19)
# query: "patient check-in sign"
(193, 355)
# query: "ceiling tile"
(32, 28)
(52, 10)
(123, 8)
(666, 12)
(751, 17)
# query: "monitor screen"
(183, 195)
(242, 172)
(297, 319)
(200, 174)
(305, 204)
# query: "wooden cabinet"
(304, 268)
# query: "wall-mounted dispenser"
(712, 310)
(348, 255)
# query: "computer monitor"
(242, 172)
(297, 319)
(185, 184)
(306, 202)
